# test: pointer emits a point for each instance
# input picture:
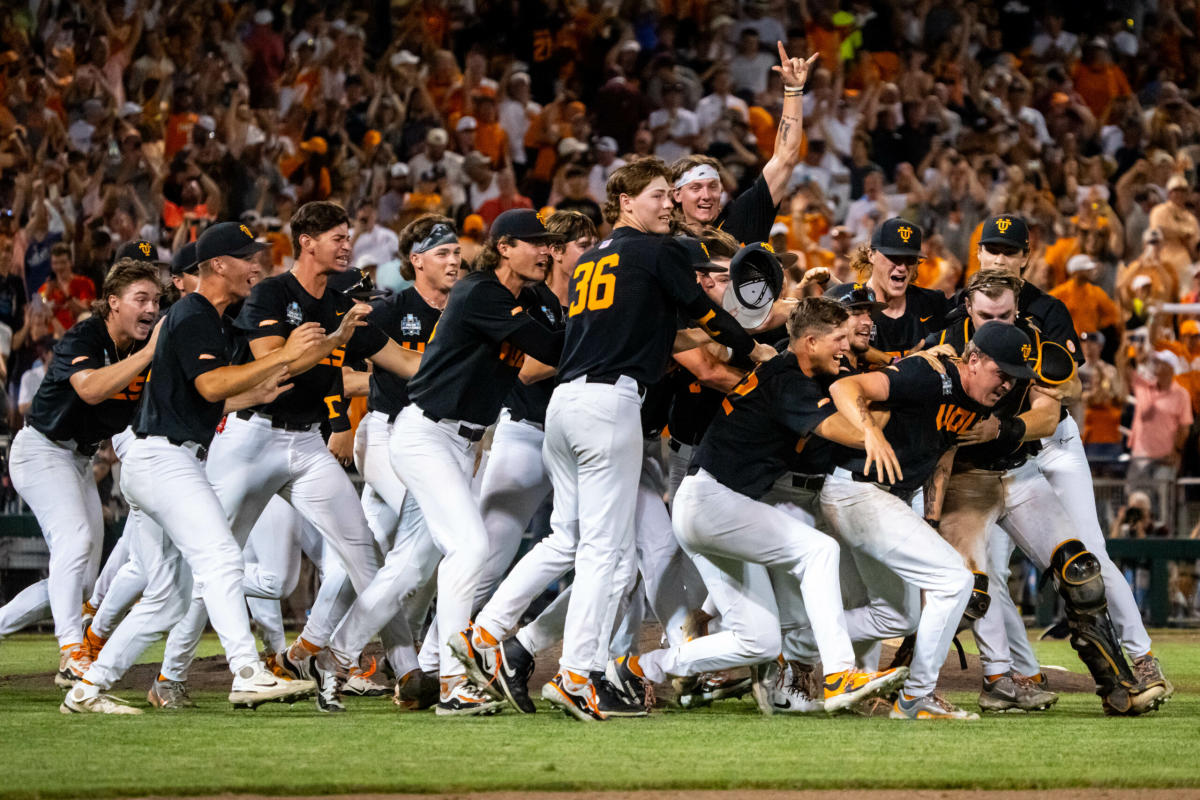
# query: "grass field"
(376, 748)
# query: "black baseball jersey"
(194, 339)
(693, 405)
(472, 359)
(57, 411)
(817, 455)
(529, 401)
(769, 415)
(929, 410)
(750, 215)
(277, 306)
(924, 312)
(625, 294)
(409, 321)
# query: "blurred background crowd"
(125, 120)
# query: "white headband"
(700, 172)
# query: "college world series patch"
(294, 315)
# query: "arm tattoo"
(864, 411)
(935, 486)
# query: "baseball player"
(994, 480)
(192, 385)
(89, 393)
(929, 410)
(1004, 244)
(696, 181)
(471, 363)
(277, 448)
(620, 331)
(734, 539)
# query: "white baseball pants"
(58, 486)
(899, 545)
(1065, 465)
(1003, 620)
(108, 573)
(169, 484)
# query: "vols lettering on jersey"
(277, 306)
(750, 446)
(59, 413)
(409, 321)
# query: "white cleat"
(87, 699)
(255, 685)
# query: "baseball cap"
(855, 297)
(1007, 345)
(139, 250)
(606, 144)
(1167, 357)
(698, 255)
(523, 224)
(437, 137)
(316, 144)
(398, 170)
(1006, 229)
(756, 279)
(1140, 281)
(897, 237)
(1080, 263)
(227, 239)
(1177, 182)
(466, 124)
(1189, 327)
(184, 259)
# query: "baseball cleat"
(480, 660)
(706, 687)
(87, 614)
(330, 682)
(850, 687)
(254, 685)
(930, 706)
(460, 698)
(797, 691)
(361, 683)
(626, 677)
(296, 662)
(577, 700)
(764, 678)
(1011, 692)
(513, 673)
(611, 701)
(72, 665)
(1149, 672)
(87, 699)
(416, 691)
(169, 695)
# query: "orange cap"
(316, 144)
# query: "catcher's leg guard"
(1076, 575)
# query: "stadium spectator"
(1090, 307)
(64, 293)
(1162, 415)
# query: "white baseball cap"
(399, 170)
(263, 17)
(1080, 263)
(404, 57)
(1140, 281)
(466, 124)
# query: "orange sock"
(575, 677)
(486, 637)
(992, 678)
(162, 677)
(634, 666)
(309, 646)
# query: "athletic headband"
(700, 172)
(440, 234)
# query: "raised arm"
(853, 396)
(778, 170)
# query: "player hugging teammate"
(846, 469)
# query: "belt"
(674, 444)
(279, 424)
(904, 494)
(392, 417)
(813, 483)
(513, 416)
(465, 431)
(611, 380)
(196, 449)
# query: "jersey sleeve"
(199, 345)
(265, 312)
(1056, 325)
(339, 406)
(748, 218)
(912, 380)
(494, 312)
(82, 348)
(801, 405)
(366, 342)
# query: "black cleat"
(513, 672)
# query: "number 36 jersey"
(621, 319)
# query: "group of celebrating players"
(843, 469)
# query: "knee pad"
(1076, 574)
(980, 600)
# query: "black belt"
(813, 483)
(674, 444)
(692, 469)
(392, 417)
(279, 424)
(465, 431)
(611, 380)
(200, 450)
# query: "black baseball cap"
(756, 280)
(1008, 346)
(1006, 229)
(227, 239)
(897, 237)
(139, 250)
(698, 255)
(523, 224)
(184, 259)
(855, 297)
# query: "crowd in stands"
(142, 119)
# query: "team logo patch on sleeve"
(410, 325)
(295, 316)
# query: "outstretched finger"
(783, 56)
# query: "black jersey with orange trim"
(769, 415)
(409, 321)
(924, 312)
(817, 456)
(750, 215)
(58, 412)
(929, 411)
(529, 401)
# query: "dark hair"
(631, 180)
(123, 274)
(412, 233)
(60, 249)
(313, 219)
(816, 314)
(570, 225)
